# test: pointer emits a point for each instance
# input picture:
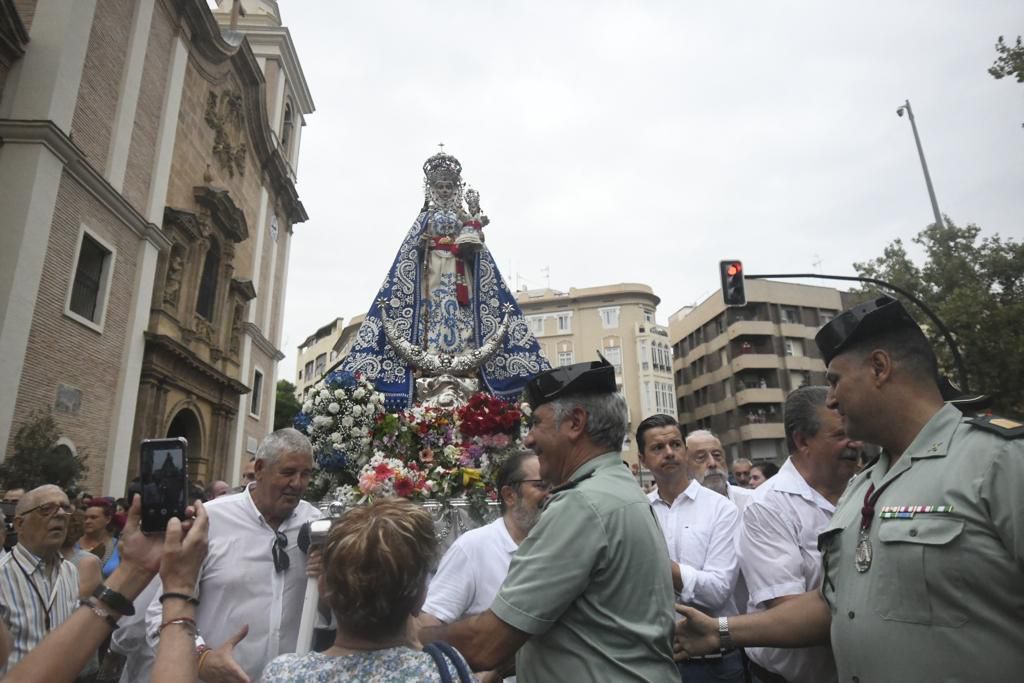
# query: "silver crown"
(442, 166)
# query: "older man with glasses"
(254, 579)
(38, 589)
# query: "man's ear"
(800, 439)
(577, 421)
(881, 366)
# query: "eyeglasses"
(539, 483)
(281, 561)
(49, 509)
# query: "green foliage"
(977, 289)
(287, 405)
(1010, 61)
(38, 460)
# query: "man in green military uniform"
(924, 557)
(586, 597)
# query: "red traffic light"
(734, 269)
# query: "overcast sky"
(644, 141)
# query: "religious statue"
(444, 310)
(172, 286)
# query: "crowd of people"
(908, 568)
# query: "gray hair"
(287, 440)
(743, 461)
(606, 417)
(800, 413)
(701, 434)
(28, 500)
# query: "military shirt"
(592, 584)
(943, 597)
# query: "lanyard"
(42, 601)
(867, 512)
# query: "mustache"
(850, 454)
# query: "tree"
(38, 459)
(977, 289)
(287, 405)
(1010, 61)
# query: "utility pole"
(924, 165)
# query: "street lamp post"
(924, 165)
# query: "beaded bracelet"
(104, 614)
(190, 599)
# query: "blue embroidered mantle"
(504, 374)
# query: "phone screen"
(164, 484)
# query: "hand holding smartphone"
(163, 475)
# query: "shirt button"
(913, 532)
(850, 614)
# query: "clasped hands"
(696, 634)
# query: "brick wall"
(27, 11)
(101, 79)
(155, 73)
(63, 351)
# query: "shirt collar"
(692, 490)
(931, 442)
(250, 504)
(789, 480)
(611, 458)
(30, 562)
(507, 542)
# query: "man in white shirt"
(779, 531)
(253, 581)
(708, 466)
(700, 530)
(475, 566)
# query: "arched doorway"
(186, 424)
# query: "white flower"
(307, 407)
(358, 393)
(336, 437)
(322, 420)
(378, 398)
(325, 395)
(525, 408)
(339, 394)
(357, 411)
(333, 408)
(365, 441)
(347, 421)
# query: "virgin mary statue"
(444, 315)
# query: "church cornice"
(182, 352)
(46, 133)
(223, 211)
(262, 343)
(209, 43)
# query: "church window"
(91, 282)
(208, 283)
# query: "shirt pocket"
(920, 573)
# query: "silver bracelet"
(102, 613)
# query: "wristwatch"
(114, 599)
(724, 637)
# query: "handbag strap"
(441, 652)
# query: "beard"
(716, 481)
(525, 516)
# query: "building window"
(565, 322)
(536, 324)
(256, 398)
(610, 317)
(663, 399)
(565, 358)
(645, 362)
(613, 354)
(91, 284)
(321, 364)
(648, 316)
(790, 315)
(825, 317)
(309, 371)
(208, 283)
(286, 129)
(794, 347)
(300, 374)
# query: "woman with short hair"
(376, 564)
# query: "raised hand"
(220, 666)
(183, 553)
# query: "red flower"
(383, 470)
(404, 487)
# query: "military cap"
(862, 322)
(595, 377)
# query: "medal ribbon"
(867, 512)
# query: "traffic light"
(732, 283)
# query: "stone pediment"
(224, 213)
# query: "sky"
(645, 141)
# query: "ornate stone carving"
(446, 391)
(172, 285)
(224, 116)
(235, 342)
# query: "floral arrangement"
(419, 453)
(339, 418)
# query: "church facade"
(148, 173)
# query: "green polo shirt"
(592, 585)
(943, 597)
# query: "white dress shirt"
(238, 584)
(29, 597)
(779, 556)
(740, 496)
(700, 529)
(130, 638)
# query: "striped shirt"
(29, 599)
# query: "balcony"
(771, 430)
(748, 361)
(758, 395)
(805, 363)
(742, 328)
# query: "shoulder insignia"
(1008, 429)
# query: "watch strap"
(114, 600)
(724, 637)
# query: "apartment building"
(733, 367)
(619, 321)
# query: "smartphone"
(162, 474)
